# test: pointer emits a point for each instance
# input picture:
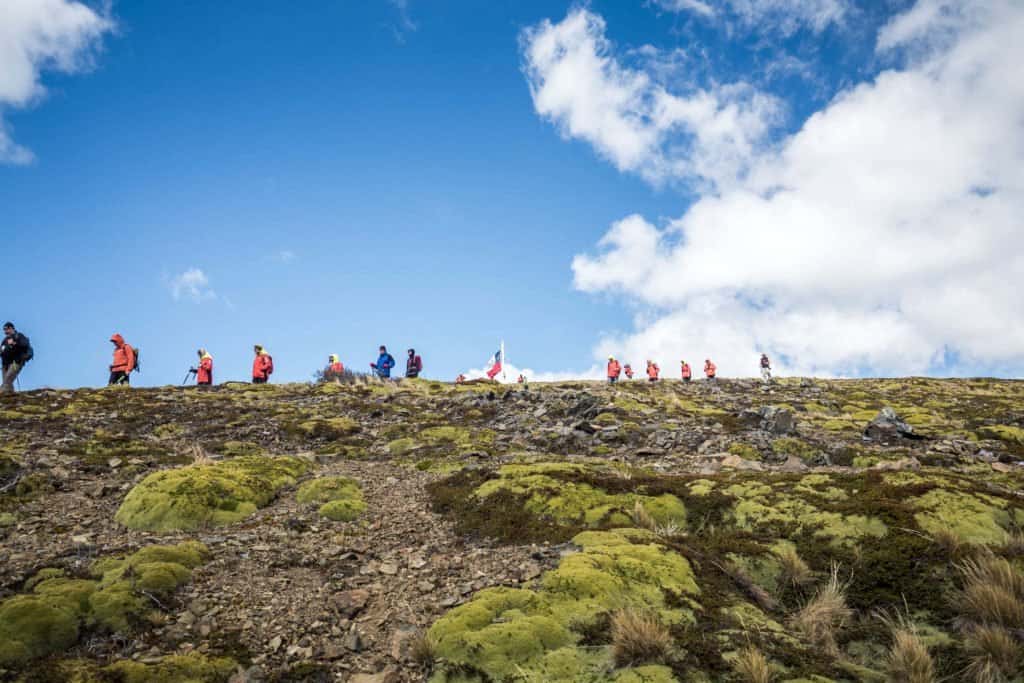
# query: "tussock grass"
(423, 651)
(824, 614)
(795, 571)
(752, 666)
(638, 637)
(994, 655)
(949, 542)
(642, 518)
(908, 659)
(993, 591)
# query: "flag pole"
(504, 361)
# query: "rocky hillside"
(813, 531)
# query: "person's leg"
(10, 374)
(118, 377)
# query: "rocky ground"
(890, 486)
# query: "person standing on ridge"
(710, 370)
(652, 371)
(15, 350)
(262, 365)
(335, 368)
(125, 360)
(614, 370)
(687, 371)
(204, 371)
(766, 368)
(628, 369)
(413, 364)
(385, 361)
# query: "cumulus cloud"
(703, 136)
(884, 236)
(786, 16)
(192, 284)
(512, 372)
(39, 35)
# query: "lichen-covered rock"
(197, 496)
(339, 498)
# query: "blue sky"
(346, 174)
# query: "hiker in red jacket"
(262, 365)
(628, 369)
(614, 370)
(687, 372)
(124, 361)
(413, 364)
(709, 369)
(204, 371)
(652, 371)
(335, 368)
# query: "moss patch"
(207, 495)
(339, 498)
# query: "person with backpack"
(262, 365)
(766, 369)
(652, 371)
(687, 371)
(204, 371)
(126, 359)
(710, 370)
(335, 368)
(15, 351)
(614, 370)
(385, 361)
(628, 370)
(413, 364)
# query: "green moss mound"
(50, 618)
(507, 634)
(548, 491)
(340, 498)
(191, 668)
(199, 496)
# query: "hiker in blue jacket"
(382, 368)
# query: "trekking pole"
(187, 375)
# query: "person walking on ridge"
(15, 351)
(385, 361)
(710, 370)
(687, 371)
(203, 371)
(614, 370)
(413, 364)
(766, 368)
(652, 371)
(126, 359)
(628, 370)
(262, 365)
(335, 368)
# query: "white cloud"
(786, 16)
(405, 24)
(192, 284)
(512, 372)
(881, 237)
(703, 136)
(287, 255)
(38, 35)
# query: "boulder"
(888, 427)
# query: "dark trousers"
(259, 380)
(118, 377)
(613, 379)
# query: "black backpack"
(136, 367)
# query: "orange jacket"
(204, 373)
(337, 368)
(687, 372)
(710, 369)
(262, 366)
(614, 368)
(653, 370)
(124, 355)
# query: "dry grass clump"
(949, 542)
(908, 659)
(795, 571)
(993, 591)
(824, 614)
(994, 655)
(642, 518)
(422, 651)
(1013, 544)
(199, 455)
(638, 637)
(752, 666)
